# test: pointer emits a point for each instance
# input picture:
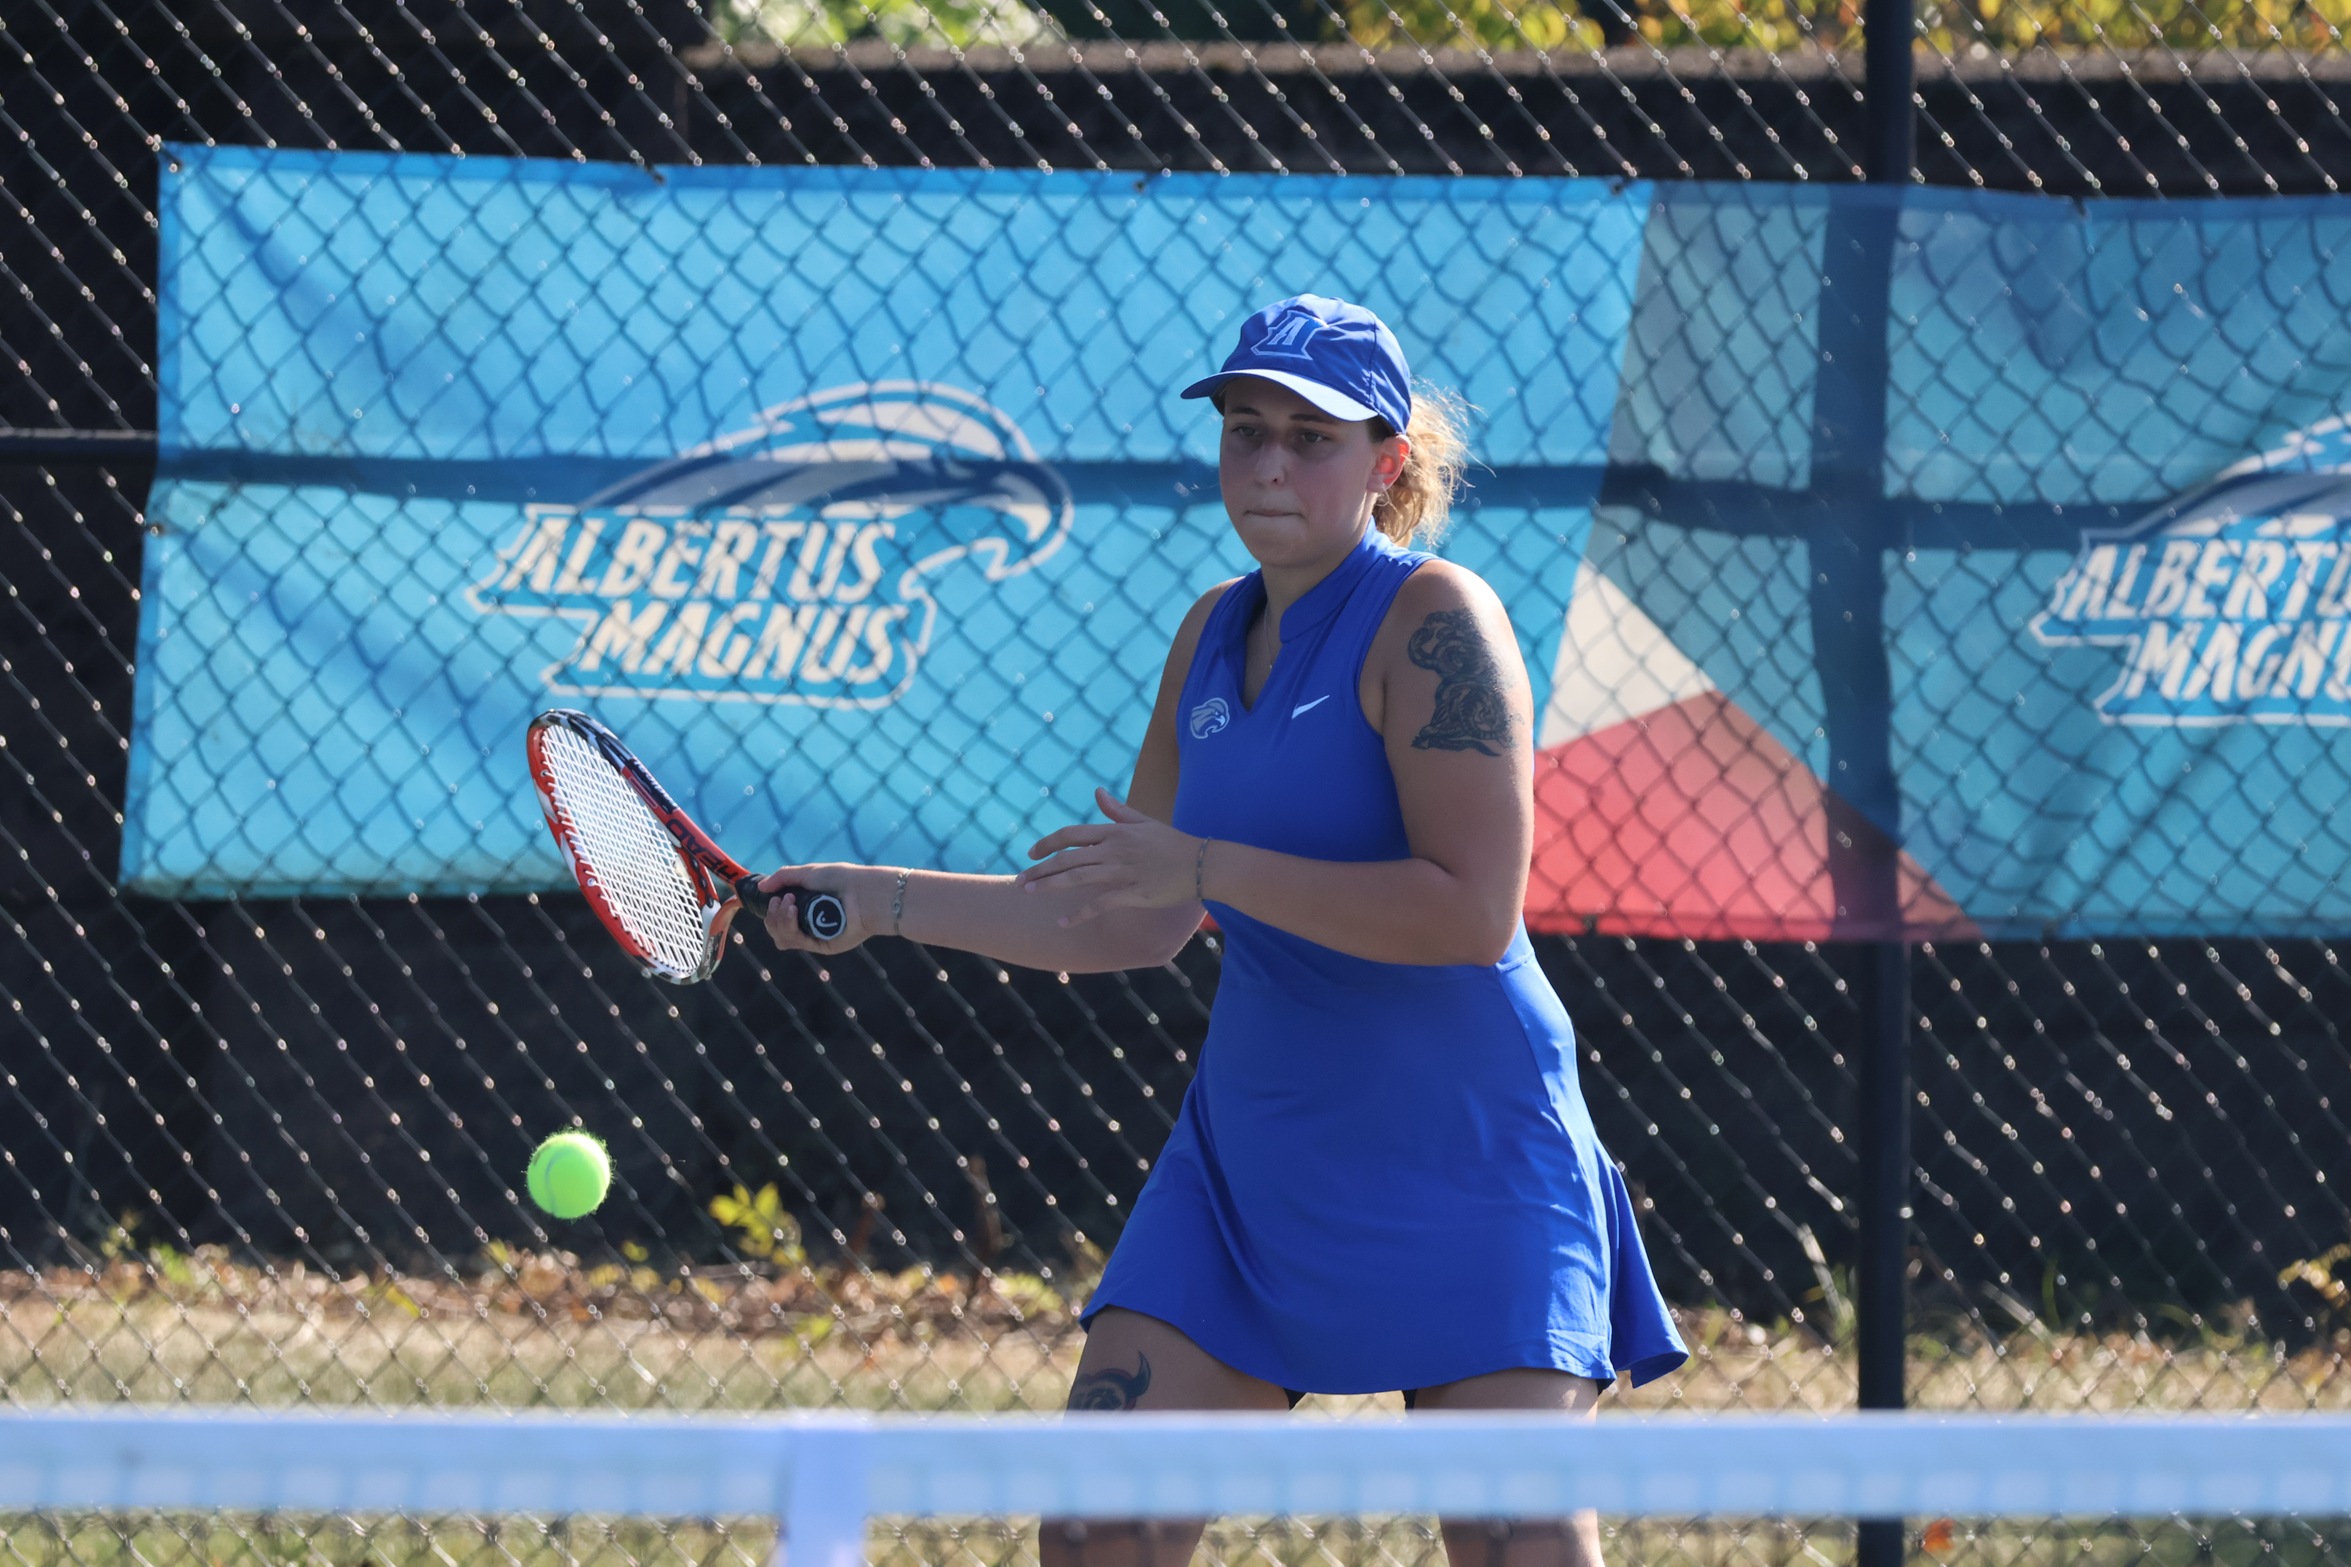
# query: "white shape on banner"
(1614, 664)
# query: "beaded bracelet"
(898, 904)
(1199, 873)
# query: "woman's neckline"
(1322, 596)
(1311, 608)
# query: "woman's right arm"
(995, 916)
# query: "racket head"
(648, 881)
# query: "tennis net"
(834, 1490)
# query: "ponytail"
(1415, 509)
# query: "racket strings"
(620, 845)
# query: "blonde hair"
(1415, 509)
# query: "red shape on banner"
(1692, 820)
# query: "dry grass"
(531, 1330)
(216, 1540)
(524, 1330)
(541, 1330)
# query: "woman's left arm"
(1445, 687)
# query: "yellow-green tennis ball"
(570, 1174)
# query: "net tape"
(826, 1473)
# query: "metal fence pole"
(1881, 1283)
(1847, 553)
(1883, 1071)
(1890, 115)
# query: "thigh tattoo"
(1109, 1389)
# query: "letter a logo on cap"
(1290, 335)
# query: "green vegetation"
(802, 24)
(1952, 29)
(2011, 27)
(763, 1230)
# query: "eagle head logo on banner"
(790, 562)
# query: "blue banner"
(861, 503)
(857, 501)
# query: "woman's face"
(1298, 483)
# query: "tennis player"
(1384, 1177)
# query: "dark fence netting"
(263, 1140)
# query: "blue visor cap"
(1339, 357)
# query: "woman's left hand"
(1129, 862)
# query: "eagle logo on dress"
(1210, 717)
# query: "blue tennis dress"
(1383, 1176)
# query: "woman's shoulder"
(1440, 604)
(1195, 622)
(1438, 585)
(1208, 600)
(1204, 606)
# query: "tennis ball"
(569, 1174)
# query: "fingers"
(1062, 864)
(783, 923)
(1083, 835)
(779, 908)
(782, 892)
(1066, 872)
(1117, 809)
(1088, 834)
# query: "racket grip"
(822, 915)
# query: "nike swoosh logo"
(1308, 706)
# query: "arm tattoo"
(1472, 713)
(1112, 1389)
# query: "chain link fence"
(268, 1149)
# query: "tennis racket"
(654, 878)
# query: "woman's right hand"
(864, 891)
